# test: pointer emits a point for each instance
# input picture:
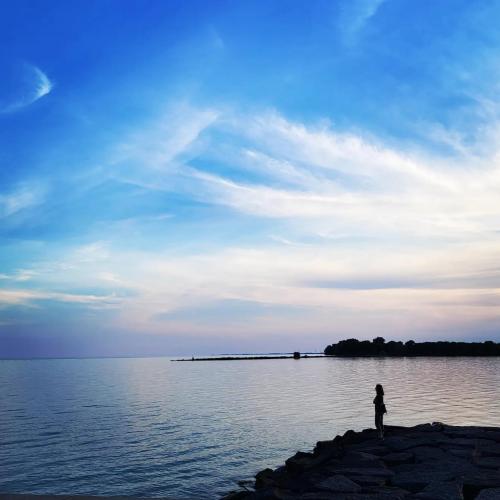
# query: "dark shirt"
(379, 403)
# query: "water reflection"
(151, 427)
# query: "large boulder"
(451, 490)
(428, 453)
(339, 484)
(489, 494)
(397, 458)
(301, 462)
(474, 482)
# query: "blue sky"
(200, 177)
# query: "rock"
(237, 495)
(377, 450)
(415, 479)
(283, 494)
(491, 433)
(401, 443)
(425, 462)
(442, 491)
(360, 456)
(395, 492)
(326, 445)
(365, 471)
(265, 478)
(289, 495)
(303, 461)
(481, 479)
(350, 462)
(461, 452)
(328, 449)
(370, 481)
(467, 442)
(402, 457)
(339, 484)
(427, 453)
(492, 450)
(488, 462)
(489, 494)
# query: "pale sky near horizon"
(193, 177)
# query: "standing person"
(379, 410)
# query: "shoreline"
(428, 462)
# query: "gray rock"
(394, 491)
(489, 494)
(474, 433)
(425, 462)
(427, 453)
(283, 494)
(488, 462)
(467, 442)
(492, 450)
(370, 481)
(237, 495)
(360, 456)
(365, 471)
(442, 491)
(417, 478)
(301, 462)
(265, 478)
(402, 457)
(279, 494)
(377, 450)
(461, 452)
(330, 448)
(339, 484)
(350, 462)
(482, 479)
(400, 443)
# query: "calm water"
(191, 430)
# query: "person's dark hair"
(379, 389)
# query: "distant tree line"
(379, 347)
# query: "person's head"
(379, 389)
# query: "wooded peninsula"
(379, 347)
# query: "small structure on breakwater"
(426, 462)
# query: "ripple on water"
(149, 427)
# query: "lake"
(151, 427)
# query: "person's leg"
(379, 424)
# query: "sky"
(192, 177)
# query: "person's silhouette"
(379, 410)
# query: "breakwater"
(252, 358)
(427, 462)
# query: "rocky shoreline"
(425, 462)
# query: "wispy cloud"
(355, 14)
(349, 183)
(33, 84)
(360, 229)
(329, 186)
(24, 196)
(30, 298)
